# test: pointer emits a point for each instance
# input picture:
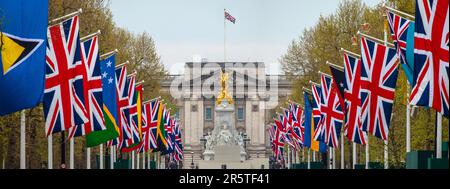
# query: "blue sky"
(182, 29)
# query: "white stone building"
(255, 96)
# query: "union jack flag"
(153, 124)
(431, 55)
(271, 131)
(93, 100)
(297, 127)
(229, 17)
(398, 27)
(135, 114)
(170, 137)
(287, 133)
(352, 84)
(319, 130)
(332, 111)
(378, 80)
(63, 97)
(178, 153)
(132, 128)
(278, 141)
(122, 104)
(149, 123)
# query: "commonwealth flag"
(107, 67)
(161, 131)
(23, 31)
(309, 127)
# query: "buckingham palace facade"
(255, 95)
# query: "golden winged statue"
(224, 92)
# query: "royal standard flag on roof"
(23, 31)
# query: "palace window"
(240, 113)
(208, 113)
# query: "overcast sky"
(182, 29)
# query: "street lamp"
(203, 140)
(192, 162)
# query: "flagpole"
(438, 135)
(111, 157)
(88, 158)
(309, 159)
(22, 139)
(386, 147)
(334, 159)
(314, 156)
(331, 157)
(408, 122)
(101, 156)
(132, 159)
(63, 150)
(354, 156)
(137, 160)
(367, 152)
(50, 151)
(72, 155)
(114, 154)
(224, 36)
(79, 11)
(342, 153)
(143, 160)
(287, 156)
(148, 161)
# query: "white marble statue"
(209, 142)
(225, 136)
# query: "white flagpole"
(148, 161)
(314, 156)
(22, 140)
(408, 122)
(330, 154)
(342, 153)
(132, 159)
(354, 156)
(143, 160)
(438, 135)
(88, 158)
(72, 145)
(287, 157)
(386, 155)
(367, 152)
(386, 147)
(50, 151)
(101, 156)
(111, 157)
(114, 154)
(137, 160)
(303, 155)
(334, 158)
(224, 36)
(309, 159)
